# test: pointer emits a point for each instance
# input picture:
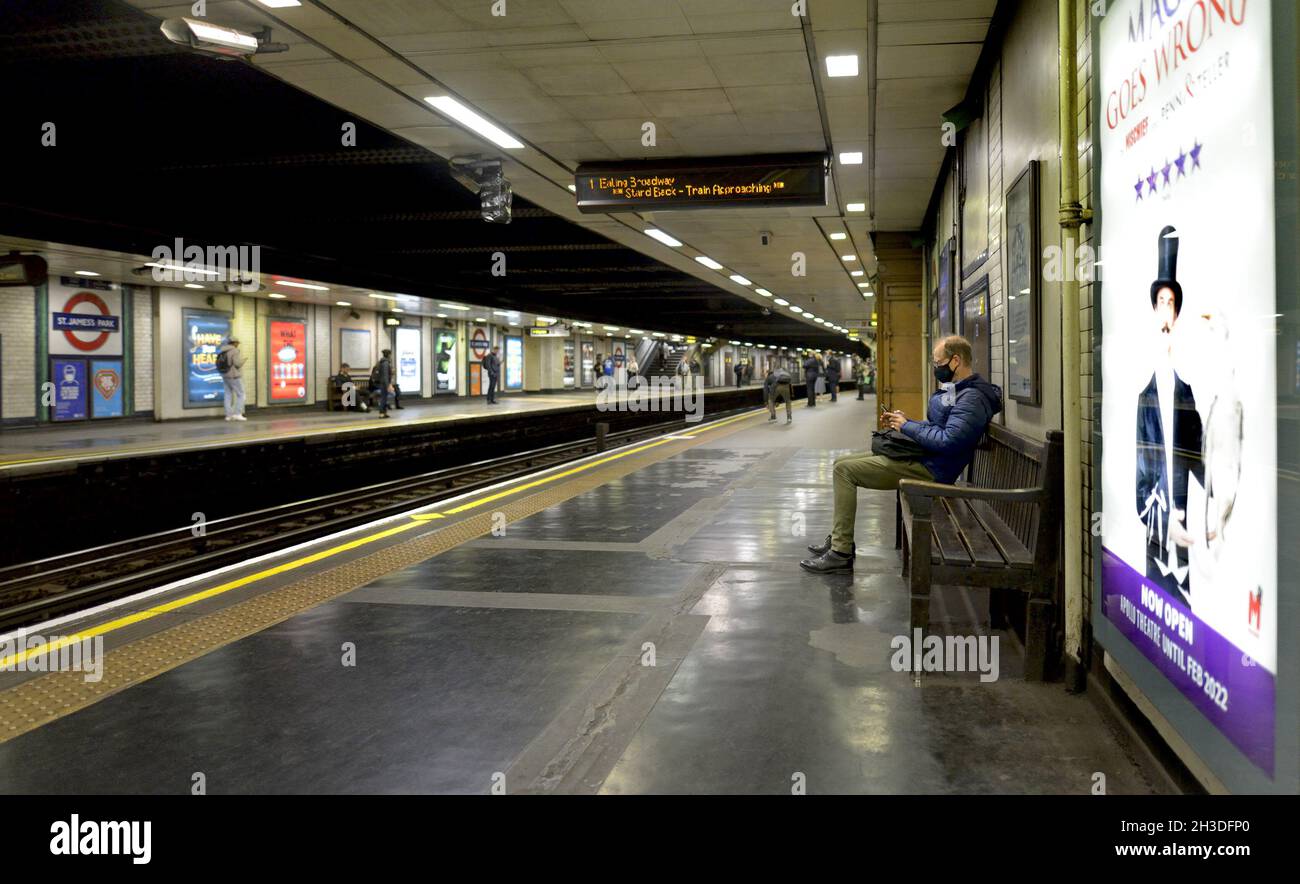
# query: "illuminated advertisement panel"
(514, 363)
(1189, 586)
(445, 362)
(287, 357)
(205, 332)
(407, 341)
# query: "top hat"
(1168, 270)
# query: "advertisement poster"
(85, 321)
(445, 362)
(408, 360)
(106, 388)
(69, 377)
(204, 334)
(1189, 471)
(514, 363)
(354, 347)
(287, 344)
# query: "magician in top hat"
(1168, 439)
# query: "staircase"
(669, 363)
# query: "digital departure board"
(706, 183)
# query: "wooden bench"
(1000, 528)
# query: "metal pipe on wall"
(1071, 217)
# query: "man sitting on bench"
(957, 417)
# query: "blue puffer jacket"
(956, 424)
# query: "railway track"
(31, 592)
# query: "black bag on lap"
(893, 444)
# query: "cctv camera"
(216, 40)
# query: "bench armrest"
(916, 489)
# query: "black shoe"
(399, 407)
(830, 563)
(772, 418)
(821, 549)
(384, 414)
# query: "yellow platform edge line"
(12, 660)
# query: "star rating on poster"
(1163, 177)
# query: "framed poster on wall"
(354, 348)
(69, 377)
(1197, 570)
(1023, 288)
(286, 342)
(975, 325)
(947, 256)
(205, 333)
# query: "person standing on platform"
(381, 380)
(811, 371)
(860, 378)
(230, 365)
(833, 376)
(492, 365)
(739, 372)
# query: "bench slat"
(982, 549)
(1015, 552)
(948, 547)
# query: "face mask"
(943, 373)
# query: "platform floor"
(522, 661)
(93, 439)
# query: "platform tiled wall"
(18, 342)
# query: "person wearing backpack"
(492, 365)
(230, 365)
(381, 380)
(776, 387)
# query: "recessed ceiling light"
(441, 315)
(398, 310)
(612, 328)
(839, 235)
(342, 303)
(480, 319)
(868, 294)
(781, 302)
(573, 189)
(851, 158)
(848, 257)
(475, 122)
(279, 4)
(856, 207)
(855, 273)
(739, 280)
(796, 308)
(708, 262)
(635, 331)
(764, 292)
(86, 273)
(452, 307)
(864, 285)
(655, 233)
(841, 65)
(277, 296)
(302, 285)
(193, 285)
(381, 297)
(178, 268)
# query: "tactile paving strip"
(41, 700)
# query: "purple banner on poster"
(1229, 688)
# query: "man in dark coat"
(812, 369)
(492, 365)
(1164, 463)
(381, 380)
(833, 376)
(955, 422)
